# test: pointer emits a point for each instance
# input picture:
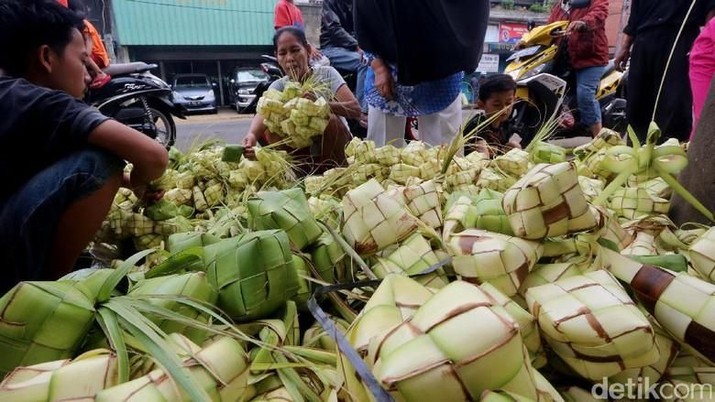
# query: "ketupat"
(253, 273)
(592, 324)
(49, 322)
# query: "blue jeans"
(587, 81)
(347, 60)
(29, 217)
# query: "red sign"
(511, 32)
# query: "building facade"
(215, 36)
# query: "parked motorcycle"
(139, 99)
(539, 56)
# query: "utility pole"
(625, 13)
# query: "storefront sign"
(511, 32)
(489, 63)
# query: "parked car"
(242, 85)
(195, 92)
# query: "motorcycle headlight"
(535, 71)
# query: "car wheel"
(239, 110)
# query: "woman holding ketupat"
(292, 51)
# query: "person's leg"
(641, 85)
(587, 80)
(383, 128)
(360, 87)
(441, 127)
(346, 60)
(79, 224)
(52, 217)
(675, 108)
(334, 140)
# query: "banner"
(511, 32)
(489, 63)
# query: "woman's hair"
(295, 31)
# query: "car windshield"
(251, 76)
(193, 81)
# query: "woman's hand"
(383, 79)
(310, 96)
(248, 143)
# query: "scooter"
(540, 54)
(140, 100)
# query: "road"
(227, 125)
(231, 127)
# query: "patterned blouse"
(411, 101)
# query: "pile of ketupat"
(290, 115)
(528, 277)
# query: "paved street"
(230, 127)
(227, 125)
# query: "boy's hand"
(146, 194)
(151, 195)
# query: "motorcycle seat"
(129, 68)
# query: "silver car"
(243, 82)
(195, 92)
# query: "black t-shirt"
(38, 126)
(649, 14)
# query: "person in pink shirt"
(702, 68)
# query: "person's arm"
(596, 16)
(624, 53)
(633, 20)
(148, 157)
(330, 22)
(255, 132)
(555, 13)
(345, 104)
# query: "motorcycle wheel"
(165, 127)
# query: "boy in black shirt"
(61, 161)
(496, 97)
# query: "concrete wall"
(311, 18)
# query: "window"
(251, 76)
(192, 81)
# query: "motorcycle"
(140, 100)
(536, 67)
